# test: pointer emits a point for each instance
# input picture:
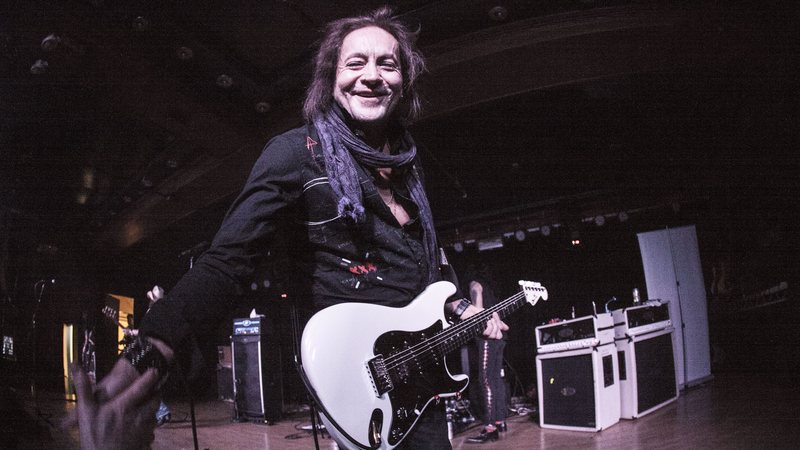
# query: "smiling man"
(347, 189)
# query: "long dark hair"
(319, 96)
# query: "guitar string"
(424, 355)
(415, 352)
(455, 329)
(418, 351)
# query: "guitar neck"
(461, 333)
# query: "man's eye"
(355, 64)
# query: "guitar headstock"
(111, 313)
(533, 291)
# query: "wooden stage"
(732, 411)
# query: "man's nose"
(371, 73)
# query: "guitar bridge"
(381, 381)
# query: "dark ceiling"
(131, 123)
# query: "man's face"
(369, 81)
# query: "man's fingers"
(83, 387)
(120, 377)
(70, 420)
(140, 390)
(85, 406)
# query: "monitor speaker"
(579, 389)
(257, 378)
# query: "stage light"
(520, 235)
(546, 230)
(141, 23)
(600, 220)
(622, 216)
(184, 53)
(39, 67)
(224, 81)
(50, 42)
(458, 247)
(263, 107)
(490, 244)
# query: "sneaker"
(161, 420)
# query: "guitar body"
(347, 349)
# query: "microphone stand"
(38, 286)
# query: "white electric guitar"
(374, 369)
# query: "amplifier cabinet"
(581, 332)
(579, 389)
(647, 373)
(257, 376)
(642, 319)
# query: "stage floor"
(732, 411)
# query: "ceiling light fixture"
(498, 13)
(224, 81)
(50, 42)
(140, 23)
(600, 220)
(39, 67)
(184, 53)
(263, 107)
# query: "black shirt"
(378, 261)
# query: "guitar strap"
(449, 274)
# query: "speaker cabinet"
(257, 378)
(579, 389)
(647, 373)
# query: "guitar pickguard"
(415, 379)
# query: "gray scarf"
(342, 148)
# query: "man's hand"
(122, 376)
(494, 326)
(121, 413)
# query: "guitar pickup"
(381, 381)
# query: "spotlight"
(600, 220)
(498, 13)
(458, 247)
(520, 235)
(622, 216)
(50, 43)
(184, 53)
(576, 238)
(39, 67)
(546, 230)
(141, 23)
(490, 244)
(263, 107)
(224, 81)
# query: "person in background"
(346, 189)
(490, 360)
